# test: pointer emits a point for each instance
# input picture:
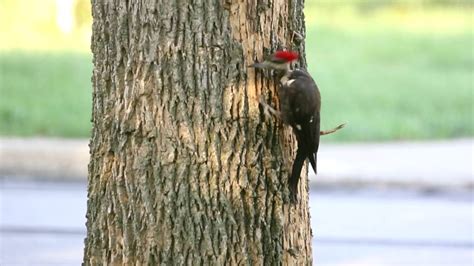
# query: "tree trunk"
(185, 168)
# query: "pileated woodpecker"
(300, 104)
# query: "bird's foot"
(267, 109)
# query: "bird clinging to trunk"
(300, 105)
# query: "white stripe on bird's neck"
(285, 80)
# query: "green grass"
(390, 74)
(47, 94)
(393, 83)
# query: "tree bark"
(185, 168)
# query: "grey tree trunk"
(185, 168)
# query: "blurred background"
(394, 188)
(394, 70)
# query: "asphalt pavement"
(44, 224)
(399, 203)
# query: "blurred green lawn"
(45, 93)
(390, 76)
(395, 74)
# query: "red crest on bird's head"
(287, 56)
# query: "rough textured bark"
(185, 168)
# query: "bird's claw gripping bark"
(267, 109)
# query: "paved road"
(43, 224)
(392, 228)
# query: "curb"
(44, 159)
(427, 166)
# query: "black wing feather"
(300, 105)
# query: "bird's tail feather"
(306, 138)
(312, 160)
(295, 173)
